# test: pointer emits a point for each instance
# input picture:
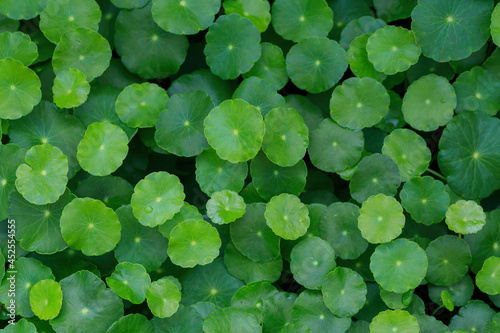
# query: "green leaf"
(465, 217)
(184, 18)
(374, 174)
(394, 10)
(270, 179)
(37, 226)
(277, 311)
(344, 292)
(22, 10)
(287, 216)
(139, 244)
(179, 129)
(395, 321)
(461, 27)
(102, 149)
(251, 296)
(161, 54)
(298, 19)
(399, 265)
(215, 174)
(395, 300)
(42, 179)
(309, 111)
(193, 242)
(271, 65)
(131, 323)
(235, 129)
(83, 49)
(426, 66)
(130, 282)
(231, 320)
(357, 57)
(18, 46)
(409, 151)
(339, 227)
(70, 88)
(460, 292)
(22, 326)
(252, 237)
(12, 156)
(46, 299)
(157, 198)
(248, 270)
(310, 310)
(447, 300)
(381, 219)
(488, 279)
(187, 212)
(19, 89)
(449, 260)
(113, 191)
(425, 199)
(85, 300)
(358, 27)
(139, 105)
(259, 93)
(477, 90)
(472, 317)
(333, 148)
(316, 64)
(346, 10)
(163, 298)
(28, 272)
(311, 260)
(233, 46)
(88, 225)
(392, 49)
(61, 16)
(286, 138)
(225, 207)
(495, 25)
(359, 103)
(129, 4)
(209, 283)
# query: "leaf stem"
(439, 308)
(437, 174)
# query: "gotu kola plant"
(250, 166)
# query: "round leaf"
(19, 89)
(42, 179)
(18, 46)
(70, 88)
(357, 58)
(179, 129)
(83, 49)
(131, 323)
(472, 317)
(394, 321)
(409, 151)
(225, 207)
(358, 27)
(259, 93)
(185, 319)
(235, 130)
(233, 46)
(22, 10)
(316, 64)
(193, 242)
(465, 217)
(89, 226)
(61, 16)
(187, 212)
(429, 103)
(381, 219)
(392, 49)
(12, 156)
(130, 282)
(359, 103)
(46, 299)
(451, 32)
(344, 292)
(287, 216)
(485, 243)
(102, 149)
(161, 53)
(271, 65)
(163, 298)
(488, 279)
(157, 198)
(399, 266)
(231, 320)
(311, 260)
(425, 199)
(333, 148)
